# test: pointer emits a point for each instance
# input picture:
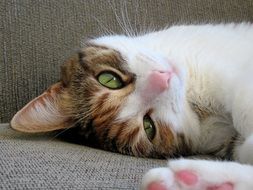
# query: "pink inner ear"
(42, 113)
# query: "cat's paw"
(159, 179)
(166, 179)
(199, 175)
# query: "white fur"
(215, 66)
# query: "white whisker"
(113, 7)
(107, 30)
(126, 20)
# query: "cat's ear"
(43, 113)
(47, 112)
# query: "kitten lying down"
(183, 91)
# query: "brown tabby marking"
(203, 113)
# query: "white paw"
(199, 175)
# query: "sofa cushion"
(29, 161)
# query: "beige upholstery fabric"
(43, 162)
(35, 38)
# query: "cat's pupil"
(149, 127)
(110, 80)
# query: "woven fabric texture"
(37, 36)
(43, 162)
(35, 39)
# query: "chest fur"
(217, 135)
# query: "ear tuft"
(43, 113)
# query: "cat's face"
(127, 97)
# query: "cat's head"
(123, 96)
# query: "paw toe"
(158, 179)
(224, 186)
(187, 177)
(156, 186)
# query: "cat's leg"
(244, 152)
(242, 109)
(187, 174)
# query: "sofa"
(36, 38)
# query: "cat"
(182, 91)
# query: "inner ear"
(42, 114)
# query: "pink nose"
(157, 83)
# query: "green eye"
(110, 80)
(149, 127)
